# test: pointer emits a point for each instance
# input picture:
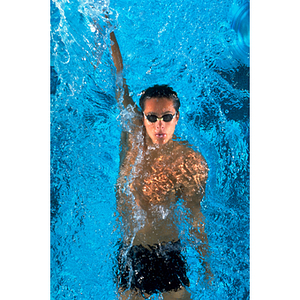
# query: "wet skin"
(168, 170)
(164, 171)
(153, 175)
(160, 132)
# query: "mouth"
(160, 135)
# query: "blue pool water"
(201, 49)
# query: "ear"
(177, 117)
(143, 119)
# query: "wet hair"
(160, 91)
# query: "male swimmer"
(156, 170)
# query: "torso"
(149, 184)
(154, 190)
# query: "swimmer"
(156, 170)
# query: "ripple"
(241, 25)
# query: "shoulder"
(194, 156)
(192, 160)
(193, 172)
(195, 163)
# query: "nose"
(159, 124)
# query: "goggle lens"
(165, 118)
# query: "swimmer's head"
(160, 106)
(159, 92)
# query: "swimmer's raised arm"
(123, 97)
(118, 62)
(116, 53)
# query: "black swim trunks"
(157, 268)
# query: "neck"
(157, 148)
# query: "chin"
(160, 141)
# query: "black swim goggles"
(165, 118)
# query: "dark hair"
(160, 91)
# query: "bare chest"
(157, 181)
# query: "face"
(160, 132)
